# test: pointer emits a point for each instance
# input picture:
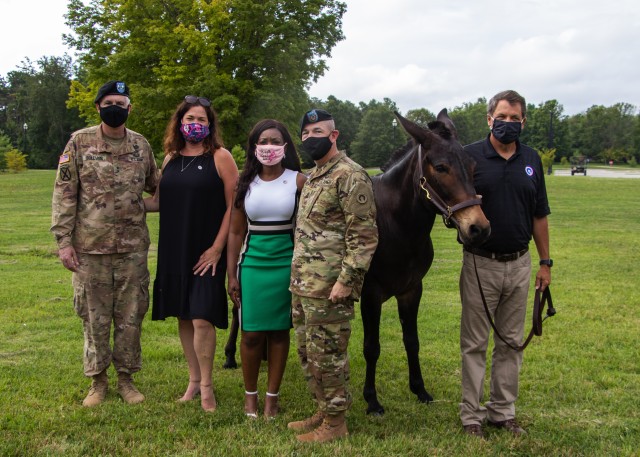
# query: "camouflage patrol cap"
(112, 88)
(313, 116)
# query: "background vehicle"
(578, 165)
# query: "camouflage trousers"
(112, 288)
(322, 338)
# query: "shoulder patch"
(64, 158)
(65, 174)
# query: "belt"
(496, 256)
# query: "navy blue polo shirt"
(513, 193)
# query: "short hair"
(511, 96)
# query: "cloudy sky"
(437, 54)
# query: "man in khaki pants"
(510, 178)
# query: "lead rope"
(541, 299)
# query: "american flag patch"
(64, 158)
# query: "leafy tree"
(602, 132)
(470, 120)
(420, 116)
(546, 127)
(547, 156)
(16, 161)
(5, 146)
(36, 117)
(347, 117)
(252, 59)
(239, 155)
(375, 140)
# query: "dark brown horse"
(430, 175)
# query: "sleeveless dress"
(192, 206)
(264, 266)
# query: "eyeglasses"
(191, 99)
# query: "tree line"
(254, 60)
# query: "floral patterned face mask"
(194, 133)
(269, 154)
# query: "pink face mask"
(269, 154)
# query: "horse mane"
(398, 155)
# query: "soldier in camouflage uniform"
(98, 220)
(335, 238)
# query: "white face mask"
(269, 154)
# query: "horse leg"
(230, 347)
(408, 304)
(370, 309)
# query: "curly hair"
(174, 142)
(252, 165)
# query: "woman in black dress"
(198, 178)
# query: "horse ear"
(443, 117)
(420, 134)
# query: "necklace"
(183, 168)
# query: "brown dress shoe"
(474, 430)
(510, 425)
(307, 424)
(332, 428)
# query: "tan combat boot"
(333, 427)
(127, 389)
(307, 424)
(98, 390)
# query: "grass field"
(580, 384)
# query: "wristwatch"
(547, 262)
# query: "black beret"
(313, 116)
(112, 88)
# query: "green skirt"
(264, 273)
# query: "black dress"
(192, 206)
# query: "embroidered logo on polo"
(528, 170)
(120, 87)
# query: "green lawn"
(580, 384)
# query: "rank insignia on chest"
(64, 158)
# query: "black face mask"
(506, 132)
(317, 147)
(113, 115)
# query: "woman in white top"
(261, 244)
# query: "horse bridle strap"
(446, 210)
(540, 300)
(442, 206)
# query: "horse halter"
(442, 206)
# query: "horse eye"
(441, 169)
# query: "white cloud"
(31, 29)
(435, 54)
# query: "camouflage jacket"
(336, 233)
(97, 199)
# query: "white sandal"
(277, 408)
(253, 415)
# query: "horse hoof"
(425, 397)
(375, 410)
(230, 364)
